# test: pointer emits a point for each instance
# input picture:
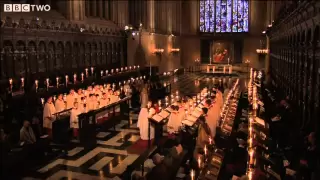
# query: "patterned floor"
(109, 159)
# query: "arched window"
(224, 16)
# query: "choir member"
(144, 96)
(91, 103)
(26, 133)
(82, 104)
(71, 99)
(74, 121)
(113, 97)
(48, 116)
(104, 101)
(60, 104)
(219, 98)
(204, 132)
(143, 121)
(173, 122)
(80, 94)
(212, 116)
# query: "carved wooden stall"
(32, 47)
(294, 59)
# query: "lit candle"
(92, 70)
(199, 162)
(134, 67)
(130, 67)
(210, 140)
(74, 77)
(144, 77)
(119, 83)
(192, 174)
(107, 72)
(22, 82)
(67, 79)
(113, 85)
(138, 66)
(164, 84)
(54, 98)
(177, 93)
(82, 77)
(86, 71)
(42, 101)
(36, 83)
(251, 153)
(124, 82)
(111, 71)
(10, 81)
(117, 70)
(121, 69)
(159, 102)
(126, 68)
(101, 73)
(205, 150)
(57, 78)
(48, 82)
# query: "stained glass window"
(224, 16)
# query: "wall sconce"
(262, 51)
(158, 51)
(175, 50)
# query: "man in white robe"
(143, 122)
(71, 99)
(92, 103)
(74, 120)
(48, 116)
(212, 116)
(60, 104)
(104, 101)
(144, 96)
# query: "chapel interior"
(159, 89)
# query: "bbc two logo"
(25, 7)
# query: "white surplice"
(59, 105)
(213, 118)
(173, 122)
(103, 102)
(48, 115)
(74, 120)
(143, 123)
(70, 100)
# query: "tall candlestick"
(10, 82)
(86, 71)
(22, 82)
(199, 162)
(92, 70)
(57, 78)
(192, 174)
(47, 82)
(101, 73)
(82, 77)
(75, 77)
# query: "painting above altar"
(221, 52)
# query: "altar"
(217, 68)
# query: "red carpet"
(139, 147)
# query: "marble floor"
(109, 159)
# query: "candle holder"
(101, 73)
(57, 79)
(107, 72)
(36, 83)
(87, 74)
(92, 70)
(126, 68)
(67, 80)
(82, 77)
(47, 83)
(74, 78)
(111, 71)
(134, 67)
(42, 101)
(22, 83)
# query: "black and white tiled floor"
(109, 159)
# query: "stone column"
(87, 8)
(69, 13)
(100, 6)
(93, 7)
(106, 7)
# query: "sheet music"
(191, 118)
(196, 114)
(169, 109)
(157, 118)
(164, 114)
(198, 109)
(260, 121)
(188, 123)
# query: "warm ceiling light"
(175, 50)
(158, 51)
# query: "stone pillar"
(87, 7)
(100, 6)
(106, 12)
(69, 14)
(93, 7)
(151, 15)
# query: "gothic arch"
(88, 52)
(42, 57)
(82, 55)
(59, 55)
(20, 58)
(68, 55)
(94, 54)
(75, 54)
(51, 56)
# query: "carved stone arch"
(59, 55)
(8, 67)
(82, 55)
(22, 23)
(42, 56)
(75, 54)
(105, 52)
(100, 53)
(63, 26)
(94, 54)
(51, 63)
(20, 58)
(76, 28)
(8, 22)
(68, 55)
(88, 54)
(109, 53)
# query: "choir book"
(164, 114)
